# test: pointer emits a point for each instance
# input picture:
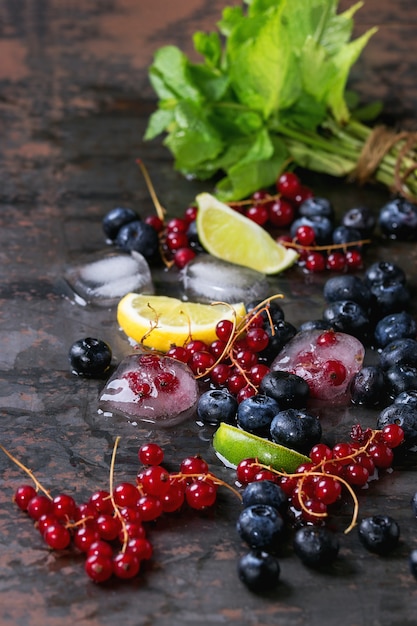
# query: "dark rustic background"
(74, 103)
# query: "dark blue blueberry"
(115, 219)
(379, 533)
(288, 389)
(279, 335)
(322, 226)
(347, 287)
(316, 207)
(412, 560)
(90, 357)
(314, 325)
(399, 352)
(389, 297)
(398, 220)
(343, 234)
(138, 236)
(407, 397)
(255, 414)
(217, 405)
(384, 272)
(259, 571)
(368, 386)
(261, 526)
(296, 429)
(193, 238)
(393, 327)
(360, 218)
(264, 492)
(316, 546)
(405, 416)
(400, 378)
(349, 317)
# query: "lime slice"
(160, 322)
(233, 445)
(230, 236)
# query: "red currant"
(305, 235)
(288, 185)
(23, 495)
(281, 213)
(151, 454)
(315, 262)
(98, 567)
(200, 494)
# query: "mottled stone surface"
(74, 103)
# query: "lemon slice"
(160, 322)
(233, 445)
(231, 236)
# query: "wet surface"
(74, 103)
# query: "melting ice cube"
(107, 278)
(327, 360)
(208, 279)
(152, 389)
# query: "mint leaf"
(158, 122)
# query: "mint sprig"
(271, 89)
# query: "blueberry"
(405, 415)
(217, 405)
(90, 357)
(279, 335)
(400, 378)
(138, 236)
(115, 219)
(322, 227)
(379, 533)
(314, 325)
(412, 559)
(347, 287)
(349, 317)
(288, 389)
(316, 546)
(296, 429)
(407, 397)
(393, 327)
(255, 414)
(343, 234)
(259, 571)
(264, 492)
(316, 207)
(261, 527)
(368, 386)
(360, 218)
(193, 238)
(389, 297)
(399, 352)
(384, 272)
(398, 219)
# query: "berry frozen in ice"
(149, 388)
(326, 360)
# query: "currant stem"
(111, 486)
(29, 472)
(160, 211)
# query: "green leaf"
(158, 123)
(231, 17)
(169, 72)
(246, 176)
(262, 64)
(192, 139)
(209, 46)
(343, 62)
(212, 84)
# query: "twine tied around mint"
(393, 150)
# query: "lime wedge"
(230, 236)
(233, 445)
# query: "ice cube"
(327, 361)
(150, 388)
(206, 279)
(104, 279)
